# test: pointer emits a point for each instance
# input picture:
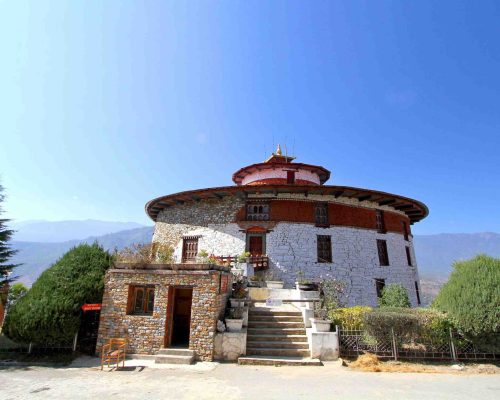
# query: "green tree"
(471, 299)
(394, 295)
(6, 252)
(50, 311)
(16, 291)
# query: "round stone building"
(293, 224)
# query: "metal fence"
(355, 342)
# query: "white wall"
(292, 247)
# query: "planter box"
(234, 325)
(320, 325)
(307, 287)
(235, 303)
(274, 284)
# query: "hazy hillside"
(62, 231)
(36, 257)
(436, 253)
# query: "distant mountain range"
(435, 253)
(61, 231)
(36, 257)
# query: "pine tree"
(6, 252)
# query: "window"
(257, 212)
(141, 299)
(408, 255)
(324, 249)
(379, 214)
(405, 230)
(189, 249)
(321, 214)
(383, 257)
(379, 286)
(290, 177)
(417, 292)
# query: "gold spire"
(278, 150)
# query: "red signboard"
(91, 307)
(223, 283)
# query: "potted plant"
(320, 323)
(239, 292)
(272, 280)
(305, 284)
(202, 257)
(234, 321)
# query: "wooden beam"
(338, 193)
(364, 198)
(386, 202)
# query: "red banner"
(91, 307)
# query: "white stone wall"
(217, 239)
(300, 174)
(292, 247)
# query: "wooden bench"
(114, 350)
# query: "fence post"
(74, 341)
(452, 346)
(394, 348)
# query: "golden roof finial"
(278, 150)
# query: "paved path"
(141, 380)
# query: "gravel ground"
(142, 379)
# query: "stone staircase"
(276, 337)
(174, 356)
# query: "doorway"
(178, 316)
(256, 244)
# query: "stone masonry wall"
(146, 333)
(293, 246)
(174, 222)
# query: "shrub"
(471, 299)
(408, 324)
(144, 254)
(50, 311)
(349, 318)
(394, 295)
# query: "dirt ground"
(142, 379)
(371, 363)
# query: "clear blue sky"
(106, 105)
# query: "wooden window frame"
(321, 220)
(417, 292)
(186, 258)
(145, 307)
(257, 211)
(290, 177)
(324, 249)
(379, 286)
(383, 254)
(408, 256)
(405, 230)
(380, 221)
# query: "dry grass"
(371, 363)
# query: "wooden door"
(255, 245)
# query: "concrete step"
(255, 337)
(175, 352)
(262, 360)
(278, 344)
(253, 351)
(252, 312)
(274, 324)
(174, 359)
(276, 331)
(277, 318)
